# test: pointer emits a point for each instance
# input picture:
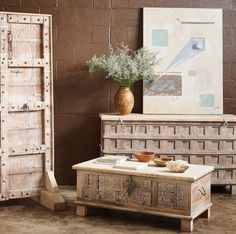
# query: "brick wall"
(82, 28)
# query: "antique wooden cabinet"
(150, 190)
(198, 139)
(26, 103)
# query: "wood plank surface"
(204, 140)
(193, 173)
(26, 103)
(178, 118)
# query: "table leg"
(206, 214)
(186, 225)
(233, 189)
(81, 210)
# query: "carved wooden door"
(26, 103)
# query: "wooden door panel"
(25, 85)
(25, 94)
(21, 164)
(26, 103)
(21, 76)
(26, 41)
(26, 129)
(25, 120)
(26, 181)
(26, 137)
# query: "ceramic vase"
(124, 101)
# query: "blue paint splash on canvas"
(194, 46)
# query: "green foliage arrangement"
(125, 66)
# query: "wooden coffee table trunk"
(198, 139)
(149, 190)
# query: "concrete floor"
(27, 216)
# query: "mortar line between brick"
(110, 16)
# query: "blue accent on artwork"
(194, 46)
(167, 85)
(159, 37)
(164, 85)
(207, 100)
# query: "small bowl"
(161, 162)
(144, 156)
(166, 159)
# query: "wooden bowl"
(144, 156)
(161, 162)
(166, 159)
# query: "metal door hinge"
(10, 39)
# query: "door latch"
(130, 185)
(25, 107)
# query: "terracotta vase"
(124, 101)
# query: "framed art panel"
(190, 72)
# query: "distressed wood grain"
(206, 140)
(156, 191)
(26, 103)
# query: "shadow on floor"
(27, 216)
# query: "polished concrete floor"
(27, 216)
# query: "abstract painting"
(189, 75)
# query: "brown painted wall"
(82, 28)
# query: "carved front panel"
(107, 188)
(166, 195)
(113, 196)
(142, 197)
(111, 183)
(89, 186)
(133, 191)
(89, 193)
(169, 195)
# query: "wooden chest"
(149, 190)
(198, 139)
(26, 103)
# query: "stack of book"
(129, 165)
(120, 161)
(112, 159)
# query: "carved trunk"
(150, 190)
(205, 139)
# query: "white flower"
(125, 66)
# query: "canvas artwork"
(190, 71)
